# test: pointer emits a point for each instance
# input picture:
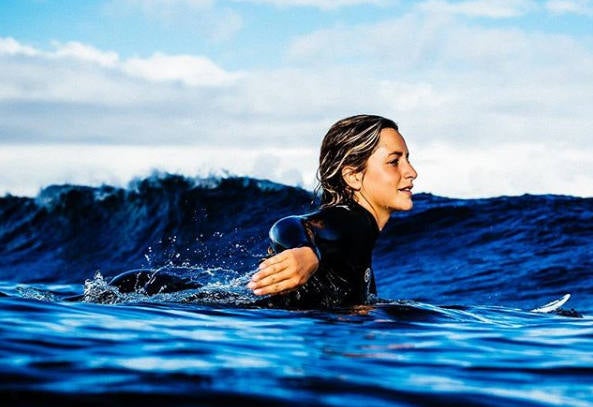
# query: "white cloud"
(467, 84)
(582, 7)
(507, 168)
(10, 46)
(480, 8)
(191, 70)
(485, 111)
(57, 97)
(82, 73)
(466, 172)
(84, 52)
(25, 169)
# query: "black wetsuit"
(343, 238)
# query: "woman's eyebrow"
(399, 154)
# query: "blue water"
(457, 280)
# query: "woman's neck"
(381, 217)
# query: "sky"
(493, 97)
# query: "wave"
(490, 251)
(68, 232)
(518, 250)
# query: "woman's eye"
(394, 162)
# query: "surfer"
(323, 259)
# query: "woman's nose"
(410, 172)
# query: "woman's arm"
(296, 260)
(284, 272)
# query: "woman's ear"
(352, 178)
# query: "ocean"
(457, 281)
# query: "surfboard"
(552, 306)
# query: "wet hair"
(348, 143)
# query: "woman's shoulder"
(335, 217)
(346, 219)
(351, 211)
(299, 227)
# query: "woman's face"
(386, 183)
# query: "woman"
(323, 259)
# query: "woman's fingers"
(275, 275)
(276, 288)
(273, 283)
(270, 266)
(284, 272)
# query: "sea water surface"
(457, 281)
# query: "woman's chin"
(404, 205)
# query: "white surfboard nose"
(552, 306)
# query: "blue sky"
(244, 34)
(237, 34)
(493, 97)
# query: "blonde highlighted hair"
(348, 143)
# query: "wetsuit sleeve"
(291, 232)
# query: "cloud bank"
(486, 110)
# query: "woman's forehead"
(391, 141)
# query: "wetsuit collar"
(370, 218)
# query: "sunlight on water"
(163, 364)
(456, 280)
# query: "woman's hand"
(284, 272)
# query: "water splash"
(98, 290)
(219, 287)
(231, 291)
(36, 294)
